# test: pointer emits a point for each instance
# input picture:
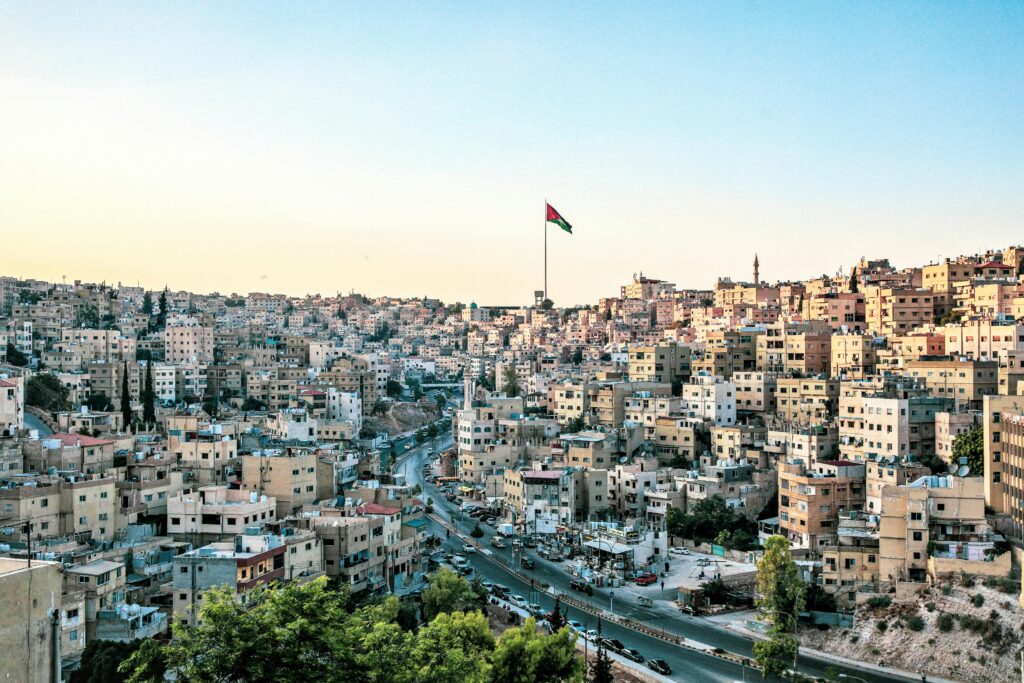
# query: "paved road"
(694, 666)
(33, 422)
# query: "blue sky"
(408, 148)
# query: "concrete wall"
(939, 566)
(27, 596)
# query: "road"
(687, 664)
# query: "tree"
(99, 401)
(971, 445)
(557, 618)
(525, 656)
(449, 592)
(713, 520)
(100, 661)
(441, 400)
(16, 357)
(431, 430)
(574, 425)
(380, 408)
(47, 392)
(780, 595)
(251, 403)
(452, 649)
(149, 396)
(577, 356)
(477, 532)
(88, 316)
(394, 389)
(161, 316)
(147, 303)
(126, 397)
(602, 671)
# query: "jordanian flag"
(556, 218)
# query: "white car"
(577, 626)
(592, 635)
(680, 551)
(519, 601)
(467, 548)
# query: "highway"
(687, 664)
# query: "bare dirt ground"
(401, 417)
(955, 630)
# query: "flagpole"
(545, 250)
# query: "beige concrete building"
(965, 381)
(217, 512)
(983, 339)
(948, 426)
(812, 497)
(26, 636)
(804, 348)
(188, 344)
(662, 363)
(288, 475)
(806, 401)
(726, 352)
(755, 392)
(891, 311)
(854, 356)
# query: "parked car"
(491, 521)
(526, 563)
(632, 653)
(577, 626)
(676, 551)
(659, 666)
(498, 542)
(535, 609)
(581, 586)
(467, 548)
(613, 645)
(592, 635)
(519, 601)
(646, 579)
(499, 591)
(530, 542)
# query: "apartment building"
(662, 363)
(188, 344)
(897, 311)
(802, 348)
(811, 497)
(965, 381)
(206, 452)
(755, 392)
(854, 356)
(215, 512)
(540, 500)
(12, 404)
(1003, 417)
(727, 352)
(853, 561)
(948, 426)
(28, 594)
(287, 475)
(806, 401)
(710, 398)
(983, 339)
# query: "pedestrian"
(662, 586)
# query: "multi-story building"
(215, 512)
(288, 475)
(811, 497)
(964, 381)
(802, 348)
(540, 500)
(710, 398)
(806, 401)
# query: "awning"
(466, 489)
(610, 547)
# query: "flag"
(556, 218)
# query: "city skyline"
(238, 149)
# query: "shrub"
(879, 601)
(945, 622)
(1002, 584)
(978, 600)
(967, 581)
(882, 626)
(915, 623)
(947, 589)
(930, 606)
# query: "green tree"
(16, 357)
(99, 401)
(88, 316)
(149, 396)
(380, 408)
(477, 532)
(602, 671)
(557, 618)
(126, 397)
(452, 649)
(780, 592)
(577, 356)
(523, 655)
(161, 316)
(47, 392)
(147, 303)
(574, 425)
(100, 661)
(971, 445)
(449, 592)
(293, 633)
(394, 389)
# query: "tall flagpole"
(545, 251)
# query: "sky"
(408, 148)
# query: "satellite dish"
(953, 467)
(892, 459)
(963, 471)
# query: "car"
(581, 586)
(592, 635)
(535, 609)
(613, 645)
(498, 542)
(487, 585)
(659, 666)
(526, 563)
(491, 521)
(676, 551)
(408, 446)
(499, 591)
(466, 570)
(530, 542)
(467, 548)
(518, 601)
(632, 653)
(576, 626)
(646, 579)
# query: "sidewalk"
(741, 628)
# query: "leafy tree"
(251, 403)
(452, 649)
(577, 356)
(88, 317)
(449, 592)
(147, 303)
(949, 318)
(149, 396)
(477, 532)
(394, 389)
(525, 656)
(161, 316)
(780, 592)
(16, 357)
(421, 436)
(441, 400)
(574, 425)
(818, 600)
(716, 591)
(46, 391)
(380, 408)
(431, 430)
(99, 401)
(971, 445)
(713, 520)
(293, 633)
(126, 397)
(100, 661)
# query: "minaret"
(757, 279)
